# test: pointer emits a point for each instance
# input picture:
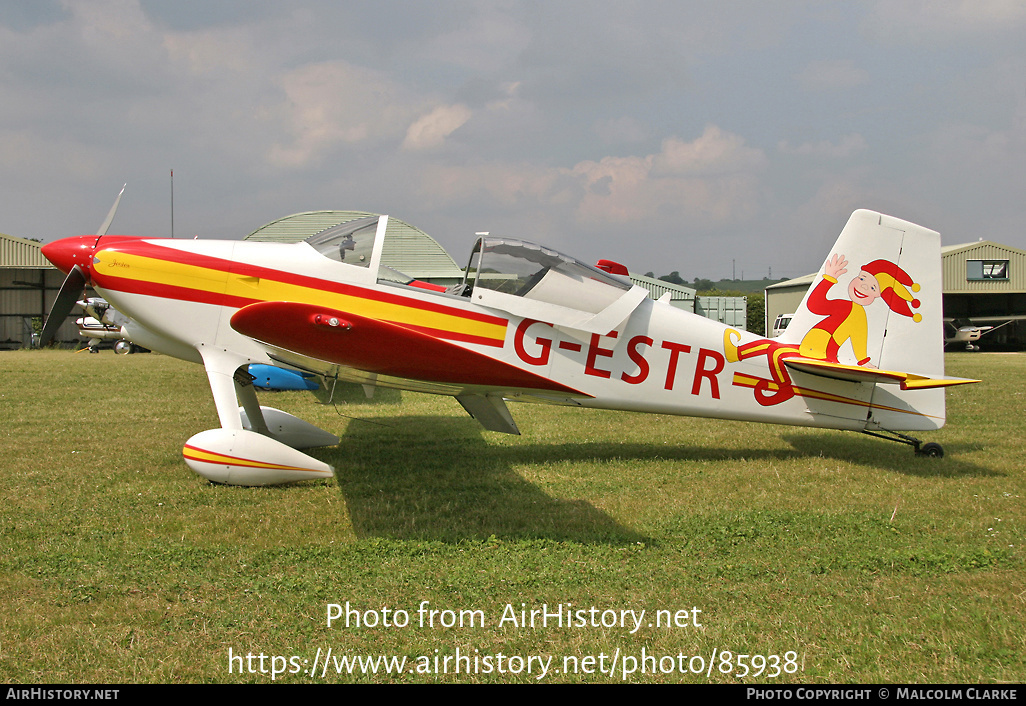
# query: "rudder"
(877, 303)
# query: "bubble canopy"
(524, 269)
(538, 282)
(351, 242)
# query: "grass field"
(846, 557)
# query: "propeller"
(110, 214)
(73, 285)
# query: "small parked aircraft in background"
(102, 322)
(970, 333)
(105, 323)
(529, 324)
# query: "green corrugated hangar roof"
(407, 249)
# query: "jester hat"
(894, 286)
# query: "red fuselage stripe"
(241, 269)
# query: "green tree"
(756, 319)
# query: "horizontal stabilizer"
(854, 373)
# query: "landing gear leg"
(930, 450)
(237, 455)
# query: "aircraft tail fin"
(876, 304)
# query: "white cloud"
(208, 51)
(509, 91)
(108, 20)
(546, 112)
(334, 103)
(711, 181)
(715, 153)
(429, 131)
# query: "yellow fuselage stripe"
(219, 282)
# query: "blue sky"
(689, 136)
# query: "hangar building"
(28, 288)
(732, 311)
(984, 283)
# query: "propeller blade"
(72, 288)
(110, 216)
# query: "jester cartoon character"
(845, 322)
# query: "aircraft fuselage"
(660, 359)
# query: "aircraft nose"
(68, 252)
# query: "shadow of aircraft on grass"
(436, 477)
(431, 478)
(957, 462)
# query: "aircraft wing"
(855, 373)
(990, 319)
(382, 347)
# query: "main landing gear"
(929, 450)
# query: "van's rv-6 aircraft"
(527, 324)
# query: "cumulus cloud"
(108, 20)
(510, 113)
(715, 153)
(429, 131)
(211, 50)
(713, 180)
(509, 92)
(335, 103)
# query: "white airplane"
(970, 333)
(527, 324)
(102, 323)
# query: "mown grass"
(117, 564)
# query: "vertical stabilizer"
(876, 303)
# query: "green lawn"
(845, 557)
